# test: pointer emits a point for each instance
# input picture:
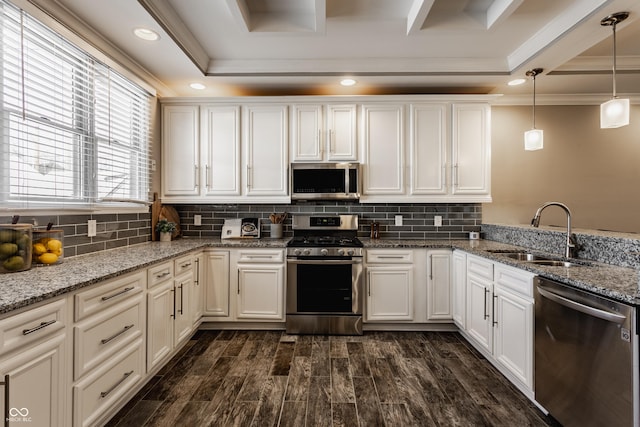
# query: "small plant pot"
(165, 237)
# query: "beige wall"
(595, 172)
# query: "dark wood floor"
(253, 378)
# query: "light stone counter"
(41, 283)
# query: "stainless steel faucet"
(571, 242)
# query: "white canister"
(276, 231)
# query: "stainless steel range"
(324, 276)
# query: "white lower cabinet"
(458, 287)
(499, 318)
(395, 285)
(260, 284)
(216, 292)
(32, 366)
(439, 292)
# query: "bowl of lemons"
(15, 247)
(48, 247)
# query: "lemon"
(39, 248)
(48, 258)
(54, 245)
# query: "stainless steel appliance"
(324, 276)
(241, 228)
(586, 357)
(325, 181)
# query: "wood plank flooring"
(268, 378)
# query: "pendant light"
(615, 112)
(534, 138)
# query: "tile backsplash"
(458, 219)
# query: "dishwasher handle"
(592, 311)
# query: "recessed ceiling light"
(198, 86)
(516, 82)
(347, 82)
(146, 34)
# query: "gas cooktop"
(324, 241)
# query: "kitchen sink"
(556, 263)
(537, 259)
(524, 256)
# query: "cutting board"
(155, 215)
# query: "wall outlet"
(398, 220)
(437, 221)
(197, 220)
(92, 228)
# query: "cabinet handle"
(390, 256)
(493, 310)
(249, 177)
(238, 281)
(37, 328)
(186, 265)
(206, 178)
(430, 267)
(444, 174)
(124, 291)
(455, 175)
(160, 276)
(197, 281)
(115, 386)
(181, 298)
(258, 256)
(6, 400)
(195, 177)
(369, 284)
(174, 303)
(319, 140)
(331, 135)
(116, 335)
(486, 314)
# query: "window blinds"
(74, 132)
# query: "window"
(74, 133)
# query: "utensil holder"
(276, 231)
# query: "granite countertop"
(42, 283)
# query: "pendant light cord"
(534, 101)
(613, 27)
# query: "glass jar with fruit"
(15, 247)
(48, 247)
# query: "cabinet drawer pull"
(6, 400)
(160, 276)
(37, 328)
(116, 335)
(117, 294)
(390, 256)
(258, 256)
(126, 375)
(186, 265)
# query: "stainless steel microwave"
(325, 181)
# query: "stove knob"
(296, 252)
(306, 252)
(324, 252)
(350, 252)
(341, 252)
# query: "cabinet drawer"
(99, 391)
(480, 267)
(185, 263)
(31, 325)
(387, 256)
(518, 281)
(261, 255)
(159, 274)
(97, 338)
(107, 294)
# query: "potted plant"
(166, 229)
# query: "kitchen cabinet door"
(260, 291)
(479, 307)
(459, 286)
(160, 306)
(383, 150)
(37, 388)
(513, 328)
(390, 293)
(221, 151)
(341, 133)
(307, 143)
(439, 293)
(428, 142)
(198, 287)
(265, 144)
(471, 151)
(183, 321)
(216, 301)
(180, 151)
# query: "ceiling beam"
(241, 14)
(417, 15)
(501, 10)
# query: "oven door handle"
(324, 261)
(591, 311)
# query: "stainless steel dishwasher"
(586, 357)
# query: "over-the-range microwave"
(325, 181)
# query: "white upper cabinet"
(428, 150)
(471, 151)
(265, 148)
(314, 139)
(383, 150)
(180, 150)
(220, 133)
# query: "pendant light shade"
(615, 112)
(534, 138)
